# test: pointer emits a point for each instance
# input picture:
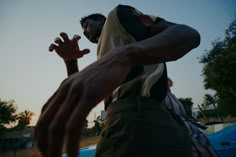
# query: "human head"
(170, 82)
(92, 26)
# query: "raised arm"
(167, 42)
(69, 51)
(71, 66)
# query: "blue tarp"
(86, 151)
(224, 141)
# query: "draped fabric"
(125, 25)
(200, 144)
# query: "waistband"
(137, 103)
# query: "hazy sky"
(30, 73)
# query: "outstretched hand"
(63, 116)
(68, 49)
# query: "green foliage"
(7, 114)
(23, 119)
(210, 101)
(208, 113)
(220, 70)
(209, 108)
(85, 124)
(8, 117)
(188, 104)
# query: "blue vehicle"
(223, 141)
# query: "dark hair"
(96, 17)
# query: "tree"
(7, 114)
(188, 104)
(219, 70)
(24, 119)
(210, 101)
(10, 120)
(85, 124)
(209, 108)
(97, 125)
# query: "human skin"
(63, 115)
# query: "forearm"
(169, 45)
(71, 66)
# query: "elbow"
(196, 38)
(190, 39)
(190, 36)
(193, 37)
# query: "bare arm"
(69, 51)
(71, 66)
(168, 42)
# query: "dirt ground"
(89, 141)
(33, 152)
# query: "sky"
(30, 73)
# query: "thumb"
(81, 53)
(85, 51)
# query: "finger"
(85, 51)
(46, 118)
(52, 47)
(75, 39)
(43, 109)
(81, 53)
(58, 41)
(57, 128)
(64, 36)
(74, 128)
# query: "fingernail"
(57, 39)
(50, 48)
(62, 34)
(76, 37)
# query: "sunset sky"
(30, 73)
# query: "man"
(130, 75)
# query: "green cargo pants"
(142, 127)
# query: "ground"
(33, 152)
